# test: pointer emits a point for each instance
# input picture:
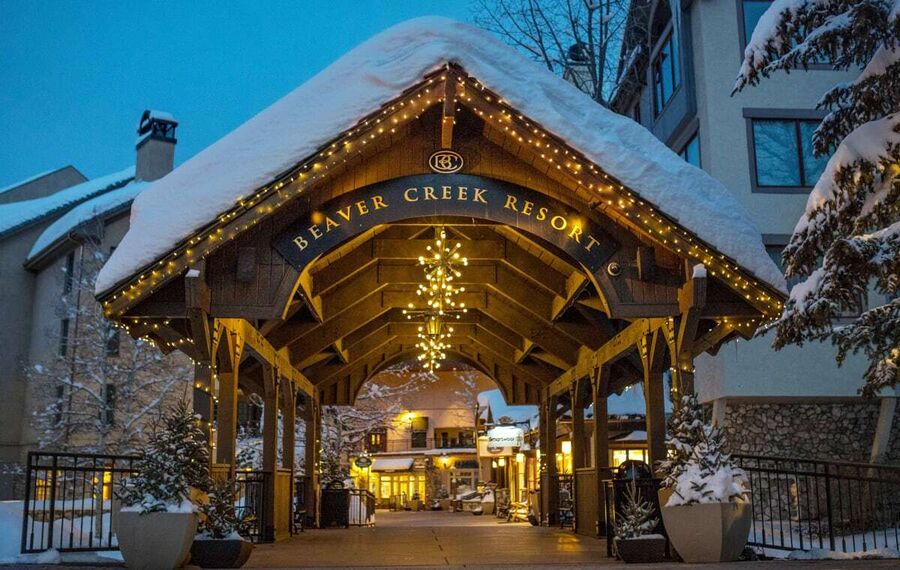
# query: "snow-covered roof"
(392, 463)
(18, 214)
(449, 451)
(493, 400)
(89, 210)
(26, 181)
(381, 69)
(635, 436)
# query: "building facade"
(55, 229)
(677, 71)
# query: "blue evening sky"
(75, 76)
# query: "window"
(108, 413)
(783, 153)
(69, 276)
(666, 74)
(63, 337)
(58, 404)
(111, 339)
(419, 433)
(774, 251)
(691, 151)
(376, 441)
(753, 11)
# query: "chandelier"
(441, 265)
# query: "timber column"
(312, 418)
(270, 451)
(599, 390)
(549, 478)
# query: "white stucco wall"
(753, 368)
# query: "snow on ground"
(20, 213)
(379, 70)
(11, 537)
(85, 212)
(786, 533)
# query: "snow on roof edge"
(83, 213)
(17, 215)
(379, 70)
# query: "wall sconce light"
(501, 462)
(494, 463)
(567, 447)
(520, 457)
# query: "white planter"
(156, 541)
(709, 532)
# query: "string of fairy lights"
(611, 196)
(441, 264)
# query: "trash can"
(335, 506)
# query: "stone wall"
(836, 431)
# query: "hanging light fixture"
(441, 265)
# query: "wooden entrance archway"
(296, 293)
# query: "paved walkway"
(461, 540)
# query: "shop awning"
(392, 464)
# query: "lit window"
(783, 150)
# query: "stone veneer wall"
(836, 431)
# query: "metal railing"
(420, 444)
(800, 504)
(250, 501)
(70, 503)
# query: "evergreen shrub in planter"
(219, 543)
(635, 541)
(707, 515)
(158, 521)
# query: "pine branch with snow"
(847, 244)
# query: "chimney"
(155, 146)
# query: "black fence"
(801, 504)
(70, 503)
(250, 502)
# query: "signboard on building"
(501, 440)
(363, 461)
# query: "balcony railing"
(420, 444)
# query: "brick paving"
(461, 540)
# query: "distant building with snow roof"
(45, 222)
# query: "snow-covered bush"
(174, 460)
(635, 518)
(685, 432)
(220, 520)
(699, 469)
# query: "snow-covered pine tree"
(848, 239)
(635, 518)
(709, 475)
(100, 389)
(685, 432)
(174, 459)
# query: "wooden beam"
(448, 110)
(256, 342)
(613, 349)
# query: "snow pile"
(699, 485)
(85, 213)
(379, 70)
(17, 214)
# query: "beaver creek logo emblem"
(446, 161)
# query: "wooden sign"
(320, 229)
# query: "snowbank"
(379, 70)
